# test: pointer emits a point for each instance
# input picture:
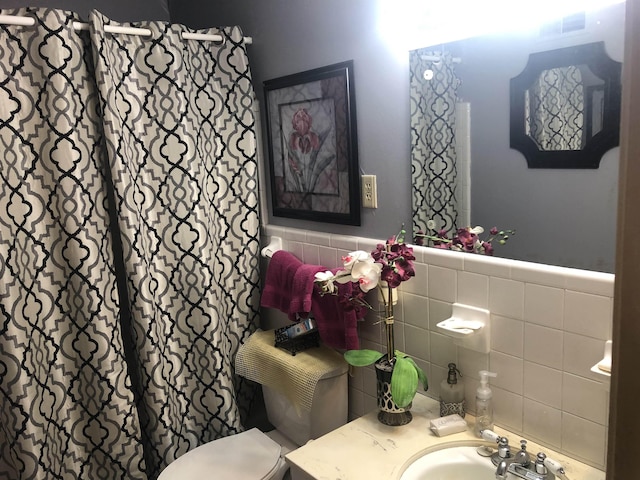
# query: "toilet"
(254, 455)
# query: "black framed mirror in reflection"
(565, 107)
(464, 171)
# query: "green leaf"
(404, 382)
(421, 375)
(361, 358)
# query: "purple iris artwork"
(307, 157)
(312, 143)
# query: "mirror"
(565, 107)
(464, 171)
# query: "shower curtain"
(433, 93)
(554, 109)
(128, 246)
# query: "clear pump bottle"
(484, 404)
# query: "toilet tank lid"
(228, 458)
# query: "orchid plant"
(464, 239)
(384, 269)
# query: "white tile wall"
(542, 422)
(548, 329)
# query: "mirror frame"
(595, 57)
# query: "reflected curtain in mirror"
(554, 109)
(435, 190)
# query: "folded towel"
(303, 288)
(278, 287)
(294, 376)
(338, 328)
(290, 287)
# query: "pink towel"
(278, 286)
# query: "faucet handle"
(522, 457)
(555, 467)
(540, 466)
(490, 435)
(504, 451)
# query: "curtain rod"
(144, 32)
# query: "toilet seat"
(249, 455)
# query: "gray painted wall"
(118, 10)
(294, 36)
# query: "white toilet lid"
(249, 455)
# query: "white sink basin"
(454, 463)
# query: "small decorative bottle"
(452, 394)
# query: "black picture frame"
(313, 147)
(595, 57)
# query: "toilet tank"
(329, 409)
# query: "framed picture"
(313, 148)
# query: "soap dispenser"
(452, 394)
(484, 404)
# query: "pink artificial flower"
(391, 262)
(488, 248)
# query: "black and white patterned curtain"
(433, 94)
(179, 131)
(554, 109)
(128, 246)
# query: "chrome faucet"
(522, 457)
(501, 471)
(520, 464)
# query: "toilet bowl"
(250, 455)
(254, 455)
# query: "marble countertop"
(367, 449)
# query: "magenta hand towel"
(338, 328)
(289, 287)
(278, 286)
(303, 288)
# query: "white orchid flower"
(476, 230)
(326, 278)
(353, 257)
(367, 274)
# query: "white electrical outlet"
(369, 191)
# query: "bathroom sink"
(452, 463)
